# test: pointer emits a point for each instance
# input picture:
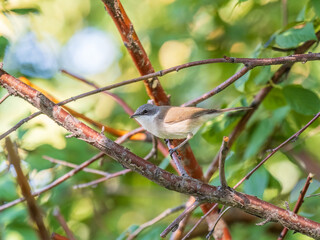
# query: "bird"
(173, 122)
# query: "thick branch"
(202, 191)
(136, 51)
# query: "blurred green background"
(39, 38)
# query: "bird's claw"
(173, 150)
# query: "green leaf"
(7, 188)
(165, 163)
(293, 37)
(25, 10)
(260, 135)
(240, 83)
(257, 183)
(264, 75)
(316, 6)
(3, 43)
(263, 131)
(274, 99)
(302, 100)
(294, 195)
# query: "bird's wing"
(177, 114)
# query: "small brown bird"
(176, 122)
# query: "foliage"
(37, 39)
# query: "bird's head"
(146, 110)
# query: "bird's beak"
(134, 115)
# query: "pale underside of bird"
(170, 122)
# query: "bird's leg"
(172, 150)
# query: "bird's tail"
(235, 109)
(228, 110)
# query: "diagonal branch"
(276, 78)
(202, 191)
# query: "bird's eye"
(144, 111)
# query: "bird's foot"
(173, 150)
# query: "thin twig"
(249, 62)
(4, 97)
(64, 163)
(153, 151)
(155, 220)
(54, 183)
(199, 221)
(276, 78)
(33, 209)
(174, 225)
(298, 203)
(219, 88)
(120, 101)
(113, 175)
(265, 221)
(190, 186)
(63, 223)
(129, 134)
(222, 158)
(294, 136)
(216, 222)
(177, 235)
(177, 161)
(15, 127)
(95, 182)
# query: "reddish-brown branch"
(136, 51)
(4, 97)
(144, 66)
(298, 203)
(63, 223)
(33, 209)
(56, 236)
(200, 190)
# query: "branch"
(33, 209)
(63, 223)
(298, 203)
(202, 191)
(136, 50)
(252, 62)
(276, 78)
(4, 97)
(294, 136)
(222, 158)
(120, 101)
(71, 165)
(219, 88)
(200, 221)
(174, 225)
(19, 124)
(155, 220)
(56, 236)
(54, 183)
